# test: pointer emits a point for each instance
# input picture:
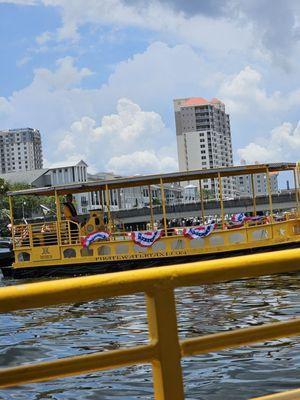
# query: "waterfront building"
(20, 150)
(54, 176)
(204, 139)
(244, 184)
(134, 197)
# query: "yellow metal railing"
(164, 350)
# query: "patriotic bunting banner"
(198, 232)
(92, 237)
(240, 217)
(258, 218)
(146, 239)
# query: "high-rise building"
(204, 139)
(20, 149)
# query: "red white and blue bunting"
(238, 218)
(198, 232)
(93, 237)
(146, 239)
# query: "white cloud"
(20, 2)
(66, 75)
(221, 35)
(243, 93)
(125, 142)
(283, 144)
(141, 162)
(223, 28)
(23, 61)
(55, 102)
(130, 124)
(5, 108)
(44, 37)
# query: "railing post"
(167, 372)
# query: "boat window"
(24, 256)
(69, 253)
(197, 243)
(139, 249)
(216, 240)
(237, 238)
(86, 252)
(296, 229)
(177, 244)
(260, 234)
(122, 249)
(104, 250)
(159, 246)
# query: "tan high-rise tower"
(204, 138)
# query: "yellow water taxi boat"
(66, 246)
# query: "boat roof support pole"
(58, 216)
(101, 200)
(11, 213)
(108, 208)
(296, 184)
(151, 208)
(297, 170)
(269, 193)
(163, 203)
(202, 201)
(57, 204)
(221, 200)
(253, 194)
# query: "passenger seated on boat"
(70, 214)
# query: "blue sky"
(98, 77)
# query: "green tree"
(24, 206)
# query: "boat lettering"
(143, 256)
(45, 253)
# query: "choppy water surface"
(36, 335)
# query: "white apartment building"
(204, 139)
(244, 184)
(20, 150)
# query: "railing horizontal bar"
(240, 337)
(101, 286)
(82, 364)
(88, 288)
(289, 395)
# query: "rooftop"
(199, 101)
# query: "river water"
(42, 334)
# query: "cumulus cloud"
(55, 101)
(276, 29)
(124, 142)
(66, 75)
(283, 144)
(244, 92)
(146, 161)
(44, 37)
(200, 29)
(222, 26)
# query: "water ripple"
(249, 371)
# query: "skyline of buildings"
(203, 141)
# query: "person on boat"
(70, 214)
